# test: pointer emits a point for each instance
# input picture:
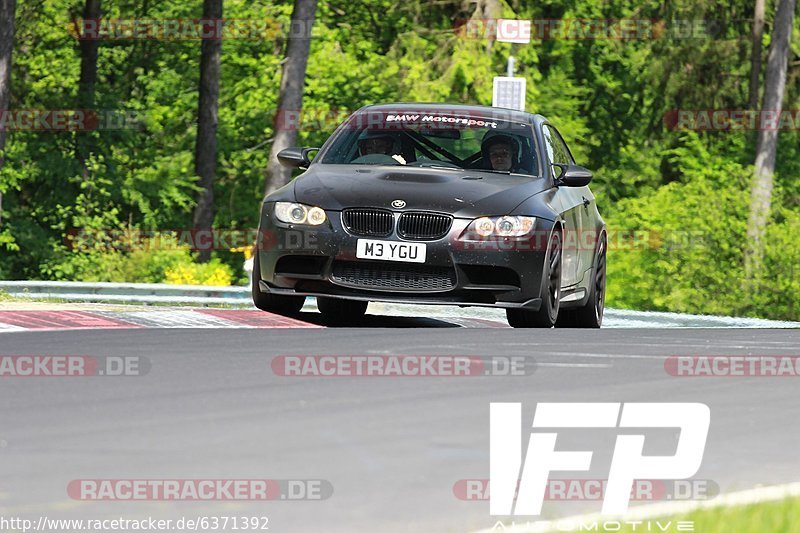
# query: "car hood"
(464, 193)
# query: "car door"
(569, 203)
(581, 202)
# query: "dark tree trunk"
(290, 100)
(87, 83)
(766, 150)
(88, 79)
(7, 12)
(205, 157)
(755, 54)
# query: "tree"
(290, 100)
(87, 81)
(766, 149)
(755, 53)
(205, 158)
(7, 11)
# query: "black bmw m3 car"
(436, 204)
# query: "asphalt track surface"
(392, 448)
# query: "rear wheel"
(547, 314)
(591, 314)
(273, 303)
(338, 311)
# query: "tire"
(566, 319)
(547, 314)
(591, 314)
(336, 311)
(273, 303)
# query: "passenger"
(500, 152)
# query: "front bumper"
(322, 261)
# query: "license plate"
(410, 252)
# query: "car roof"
(429, 107)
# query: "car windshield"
(436, 140)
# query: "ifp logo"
(510, 479)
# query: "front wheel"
(591, 314)
(547, 314)
(273, 303)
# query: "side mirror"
(295, 157)
(573, 175)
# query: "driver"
(500, 151)
(375, 143)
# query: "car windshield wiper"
(434, 165)
(492, 170)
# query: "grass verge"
(781, 516)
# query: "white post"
(510, 67)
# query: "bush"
(211, 273)
(693, 260)
(161, 260)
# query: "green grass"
(772, 517)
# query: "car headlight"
(294, 213)
(505, 226)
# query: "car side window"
(560, 151)
(549, 148)
(557, 150)
(548, 144)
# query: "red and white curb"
(169, 319)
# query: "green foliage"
(775, 516)
(780, 283)
(161, 260)
(687, 253)
(608, 97)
